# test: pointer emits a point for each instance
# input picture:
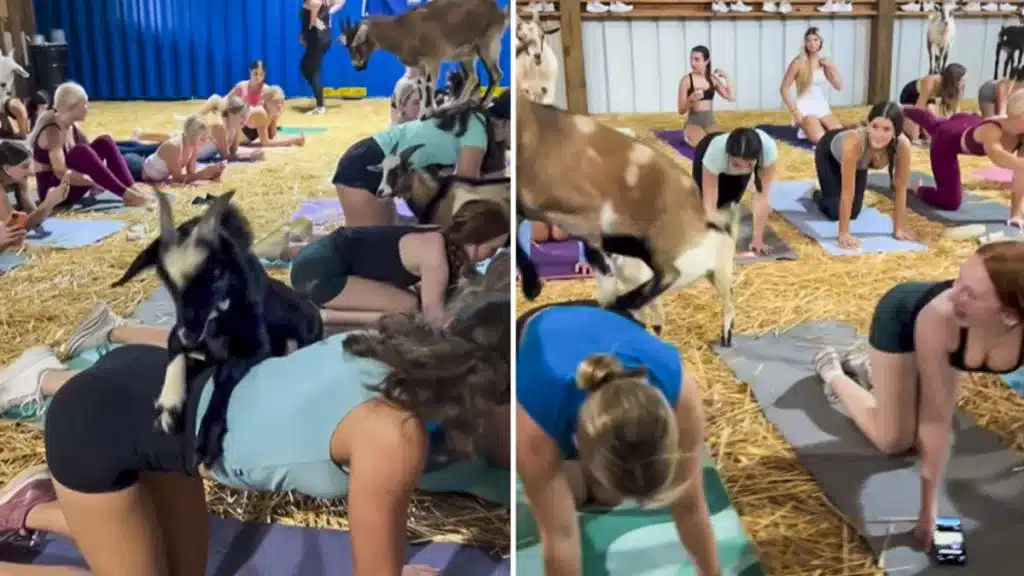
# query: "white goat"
(941, 30)
(8, 68)
(536, 61)
(630, 273)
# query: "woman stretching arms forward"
(812, 75)
(260, 127)
(225, 134)
(175, 159)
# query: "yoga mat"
(868, 487)
(1015, 380)
(677, 140)
(974, 210)
(9, 261)
(993, 174)
(556, 260)
(296, 130)
(73, 233)
(157, 310)
(251, 549)
(874, 230)
(628, 541)
(106, 202)
(327, 211)
(780, 250)
(787, 134)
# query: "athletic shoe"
(93, 331)
(274, 245)
(21, 383)
(857, 364)
(828, 365)
(30, 488)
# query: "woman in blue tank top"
(367, 415)
(586, 380)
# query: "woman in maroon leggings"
(58, 145)
(1001, 139)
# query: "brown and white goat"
(536, 61)
(941, 31)
(619, 195)
(630, 273)
(435, 32)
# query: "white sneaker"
(719, 6)
(596, 7)
(93, 331)
(990, 7)
(20, 382)
(785, 8)
(828, 7)
(318, 111)
(846, 6)
(548, 7)
(619, 7)
(769, 6)
(739, 6)
(928, 7)
(911, 7)
(1007, 7)
(973, 7)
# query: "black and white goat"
(1010, 47)
(229, 312)
(941, 31)
(619, 195)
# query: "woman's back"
(439, 146)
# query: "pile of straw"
(795, 529)
(43, 299)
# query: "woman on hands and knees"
(812, 75)
(994, 94)
(842, 159)
(923, 337)
(697, 91)
(606, 413)
(941, 93)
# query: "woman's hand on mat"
(583, 269)
(1016, 222)
(760, 248)
(901, 234)
(418, 570)
(11, 236)
(848, 242)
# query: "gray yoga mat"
(780, 250)
(157, 310)
(980, 485)
(974, 210)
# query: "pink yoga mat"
(994, 174)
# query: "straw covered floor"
(794, 527)
(43, 299)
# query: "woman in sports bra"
(260, 128)
(175, 159)
(606, 413)
(697, 91)
(940, 93)
(812, 75)
(1000, 139)
(250, 91)
(902, 392)
(993, 94)
(842, 159)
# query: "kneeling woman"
(940, 93)
(357, 275)
(697, 92)
(175, 158)
(924, 337)
(606, 413)
(722, 165)
(842, 159)
(314, 422)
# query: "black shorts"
(830, 180)
(895, 318)
(354, 166)
(909, 94)
(526, 316)
(99, 426)
(251, 134)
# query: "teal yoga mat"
(628, 541)
(296, 130)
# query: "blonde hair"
(66, 96)
(273, 94)
(1015, 104)
(630, 432)
(194, 128)
(804, 71)
(232, 105)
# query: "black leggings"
(317, 44)
(525, 316)
(830, 180)
(730, 187)
(99, 426)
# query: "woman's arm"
(683, 100)
(991, 138)
(539, 465)
(926, 90)
(52, 141)
(264, 140)
(761, 204)
(690, 510)
(336, 6)
(228, 151)
(709, 190)
(1002, 94)
(853, 145)
(725, 87)
(901, 173)
(433, 268)
(179, 171)
(832, 74)
(469, 161)
(786, 90)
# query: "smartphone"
(948, 544)
(17, 220)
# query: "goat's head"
(8, 68)
(201, 263)
(530, 35)
(357, 40)
(396, 169)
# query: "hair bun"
(596, 370)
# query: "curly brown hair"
(475, 222)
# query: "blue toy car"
(948, 545)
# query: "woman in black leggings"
(315, 18)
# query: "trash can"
(49, 65)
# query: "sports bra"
(976, 148)
(709, 94)
(251, 96)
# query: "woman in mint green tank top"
(368, 415)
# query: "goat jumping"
(941, 31)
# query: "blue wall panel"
(179, 49)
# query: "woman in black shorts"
(924, 336)
(471, 141)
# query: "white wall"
(974, 46)
(634, 66)
(555, 41)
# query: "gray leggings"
(702, 118)
(987, 92)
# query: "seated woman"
(132, 499)
(993, 94)
(1001, 139)
(940, 93)
(722, 165)
(222, 146)
(260, 128)
(59, 145)
(474, 141)
(697, 91)
(175, 159)
(605, 413)
(812, 74)
(15, 169)
(356, 275)
(926, 335)
(250, 91)
(842, 159)
(15, 122)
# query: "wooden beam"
(572, 56)
(880, 58)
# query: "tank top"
(557, 339)
(816, 90)
(839, 140)
(323, 15)
(372, 252)
(41, 155)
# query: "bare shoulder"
(938, 322)
(378, 427)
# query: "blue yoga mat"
(74, 233)
(9, 261)
(787, 134)
(108, 203)
(874, 230)
(1015, 380)
(250, 549)
(296, 130)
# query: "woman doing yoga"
(697, 91)
(722, 165)
(605, 413)
(812, 74)
(175, 158)
(222, 144)
(399, 401)
(472, 140)
(940, 93)
(260, 128)
(59, 145)
(993, 94)
(998, 138)
(923, 337)
(842, 159)
(315, 22)
(15, 169)
(250, 91)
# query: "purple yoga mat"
(556, 260)
(327, 211)
(788, 134)
(675, 139)
(250, 549)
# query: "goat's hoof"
(726, 341)
(168, 419)
(657, 329)
(532, 289)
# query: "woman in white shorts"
(812, 75)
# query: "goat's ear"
(406, 154)
(18, 69)
(145, 260)
(210, 221)
(360, 36)
(167, 230)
